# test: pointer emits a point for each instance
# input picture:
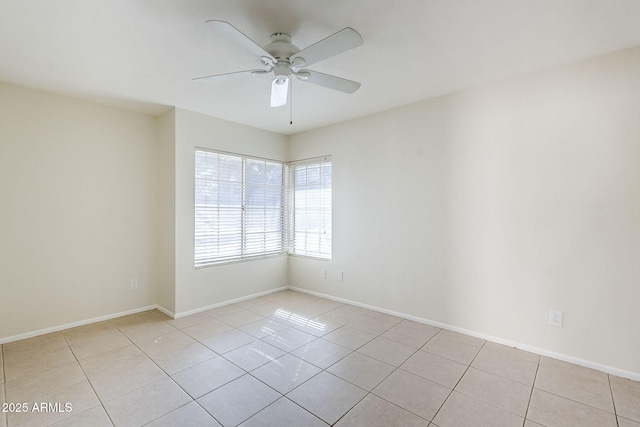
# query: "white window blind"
(311, 210)
(238, 207)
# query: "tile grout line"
(102, 403)
(460, 379)
(577, 401)
(38, 373)
(518, 382)
(169, 375)
(87, 377)
(178, 385)
(76, 361)
(411, 373)
(613, 401)
(337, 361)
(245, 371)
(282, 396)
(165, 372)
(253, 376)
(295, 403)
(309, 379)
(533, 386)
(369, 392)
(396, 368)
(421, 348)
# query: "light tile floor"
(291, 359)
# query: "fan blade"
(331, 82)
(227, 75)
(232, 33)
(279, 93)
(339, 42)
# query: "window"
(311, 208)
(238, 207)
(241, 208)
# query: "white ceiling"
(142, 54)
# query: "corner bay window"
(248, 207)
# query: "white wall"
(484, 209)
(77, 210)
(197, 288)
(167, 211)
(92, 196)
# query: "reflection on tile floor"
(292, 359)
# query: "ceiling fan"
(285, 60)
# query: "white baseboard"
(133, 311)
(233, 301)
(75, 324)
(540, 351)
(165, 311)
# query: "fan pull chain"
(290, 101)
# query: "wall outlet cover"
(555, 317)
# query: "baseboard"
(165, 311)
(540, 351)
(169, 313)
(75, 324)
(233, 301)
(133, 311)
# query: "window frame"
(291, 206)
(287, 211)
(244, 254)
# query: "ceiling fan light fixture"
(281, 72)
(279, 92)
(280, 80)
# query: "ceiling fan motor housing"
(282, 50)
(281, 47)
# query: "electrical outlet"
(323, 273)
(555, 318)
(339, 276)
(133, 283)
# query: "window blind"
(238, 207)
(311, 208)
